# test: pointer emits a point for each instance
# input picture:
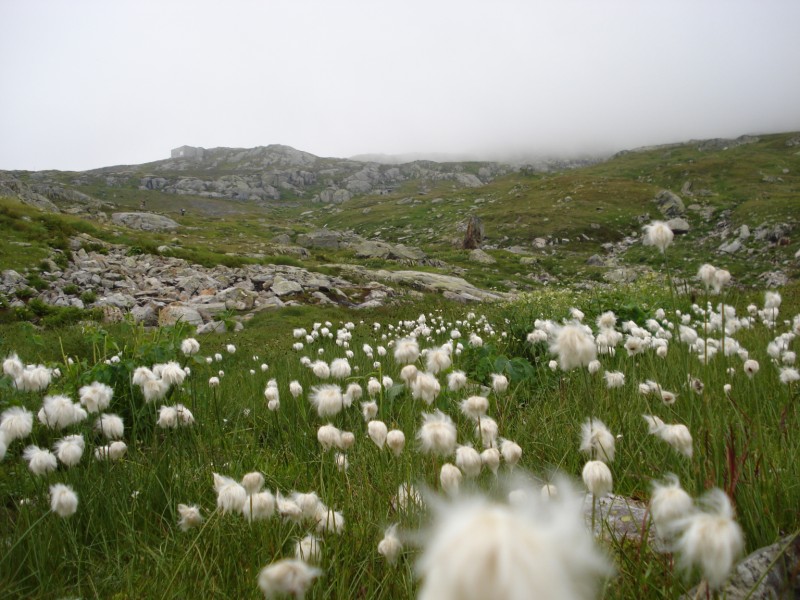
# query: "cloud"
(96, 83)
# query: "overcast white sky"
(87, 84)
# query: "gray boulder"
(731, 247)
(284, 287)
(144, 221)
(766, 574)
(174, 313)
(322, 238)
(678, 226)
(479, 256)
(669, 204)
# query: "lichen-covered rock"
(144, 221)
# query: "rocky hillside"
(731, 202)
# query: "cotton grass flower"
(63, 500)
(170, 373)
(658, 234)
(113, 451)
(373, 387)
(487, 430)
(190, 347)
(425, 387)
(12, 366)
(456, 381)
(614, 379)
(390, 546)
(154, 390)
(58, 412)
(329, 521)
(253, 482)
(710, 539)
(474, 407)
(490, 458)
(40, 460)
(327, 399)
(190, 516)
(258, 506)
(321, 369)
(438, 359)
(69, 449)
(340, 368)
(597, 441)
(477, 549)
(377, 432)
(231, 495)
(295, 389)
(597, 478)
(406, 351)
(96, 396)
(308, 549)
(396, 441)
(469, 461)
(408, 374)
(407, 498)
(788, 375)
(450, 477)
(329, 436)
(287, 577)
(34, 378)
(574, 347)
(438, 434)
(677, 436)
(16, 423)
(668, 504)
(511, 452)
(499, 383)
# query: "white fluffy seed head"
(396, 440)
(390, 546)
(230, 494)
(69, 449)
(96, 396)
(288, 576)
(511, 452)
(16, 423)
(308, 549)
(658, 234)
(491, 459)
(597, 441)
(63, 500)
(406, 351)
(450, 477)
(478, 549)
(597, 478)
(259, 506)
(669, 504)
(40, 460)
(377, 432)
(475, 406)
(327, 399)
(190, 516)
(329, 436)
(437, 434)
(574, 347)
(710, 539)
(110, 426)
(469, 461)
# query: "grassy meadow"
(124, 540)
